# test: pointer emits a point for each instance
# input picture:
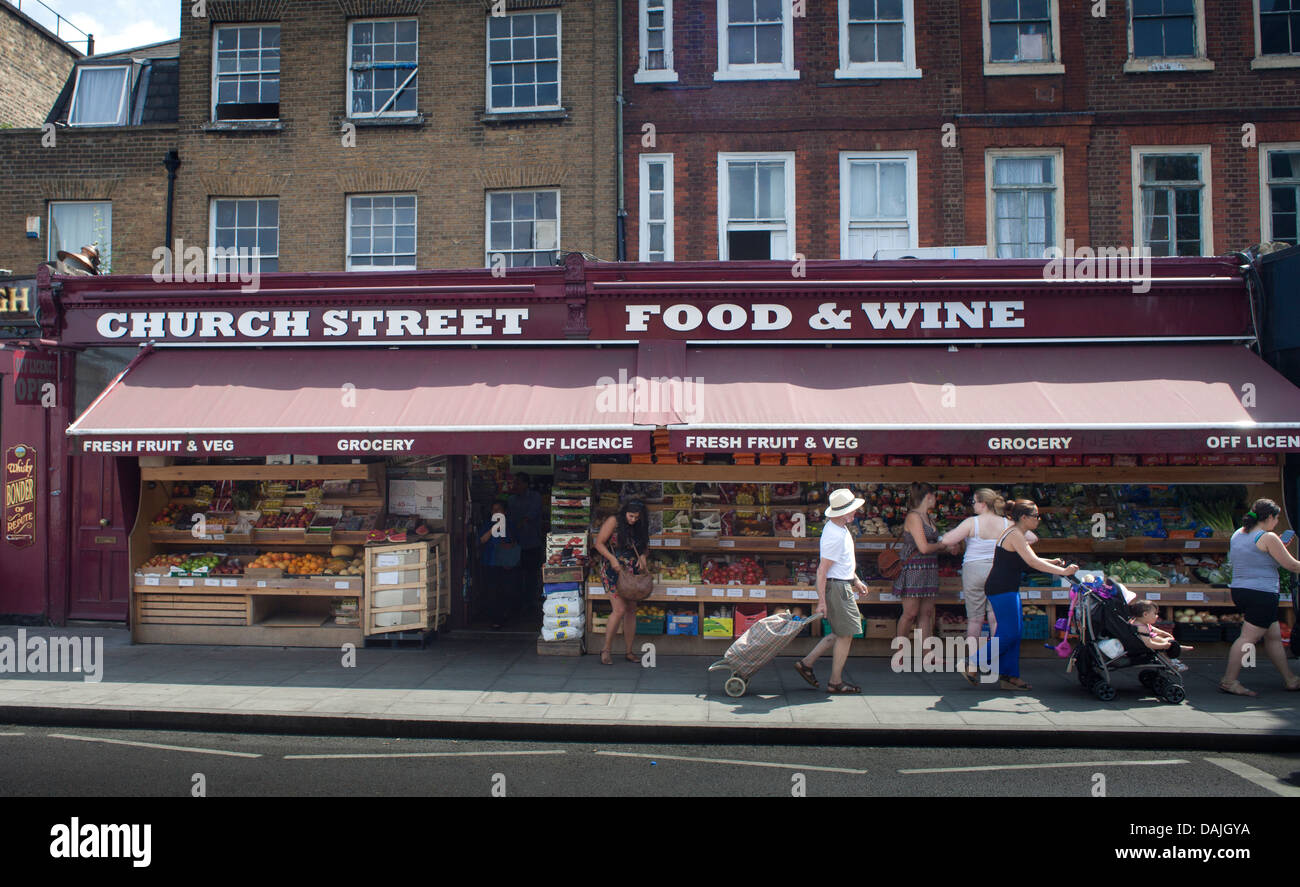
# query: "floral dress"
(622, 550)
(919, 577)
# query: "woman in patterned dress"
(918, 580)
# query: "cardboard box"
(880, 628)
(717, 627)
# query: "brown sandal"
(1013, 684)
(1236, 688)
(806, 673)
(843, 687)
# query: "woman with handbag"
(917, 582)
(623, 541)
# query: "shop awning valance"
(966, 400)
(359, 402)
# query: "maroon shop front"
(986, 358)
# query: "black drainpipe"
(172, 161)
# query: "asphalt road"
(71, 762)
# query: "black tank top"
(1004, 576)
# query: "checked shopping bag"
(764, 639)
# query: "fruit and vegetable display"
(341, 566)
(1134, 573)
(272, 560)
(200, 563)
(285, 520)
(306, 565)
(164, 561)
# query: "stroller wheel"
(1148, 678)
(735, 686)
(1103, 691)
(1173, 694)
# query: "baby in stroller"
(1158, 640)
(1110, 643)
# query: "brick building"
(34, 64)
(1016, 126)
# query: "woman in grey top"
(1256, 552)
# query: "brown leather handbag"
(634, 586)
(889, 564)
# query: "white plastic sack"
(561, 634)
(556, 623)
(563, 606)
(1111, 648)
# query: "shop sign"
(35, 375)
(18, 308)
(1053, 442)
(362, 444)
(20, 496)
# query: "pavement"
(487, 688)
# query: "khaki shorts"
(973, 577)
(842, 608)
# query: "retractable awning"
(355, 402)
(973, 400)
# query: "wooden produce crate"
(153, 608)
(407, 586)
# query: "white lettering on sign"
(1253, 442)
(389, 323)
(728, 317)
(374, 446)
(1029, 443)
(579, 444)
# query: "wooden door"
(100, 572)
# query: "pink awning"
(1104, 398)
(352, 401)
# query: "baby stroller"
(1107, 642)
(756, 648)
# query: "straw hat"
(843, 502)
(86, 261)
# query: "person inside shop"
(980, 533)
(838, 587)
(1255, 552)
(524, 510)
(499, 554)
(624, 543)
(917, 582)
(1012, 556)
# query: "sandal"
(632, 657)
(605, 658)
(806, 673)
(1013, 684)
(843, 687)
(1236, 689)
(1293, 686)
(972, 677)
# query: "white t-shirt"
(837, 546)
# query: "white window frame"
(1054, 65)
(643, 234)
(559, 64)
(908, 159)
(1170, 64)
(758, 71)
(992, 155)
(120, 119)
(212, 232)
(487, 222)
(1137, 152)
(52, 248)
(1269, 61)
(370, 115)
(349, 265)
(212, 77)
(1265, 196)
(849, 70)
(724, 196)
(648, 75)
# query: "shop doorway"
(100, 569)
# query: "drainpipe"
(621, 219)
(172, 161)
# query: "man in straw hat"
(838, 586)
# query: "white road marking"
(625, 754)
(199, 751)
(13, 734)
(1257, 776)
(1046, 766)
(426, 754)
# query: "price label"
(804, 594)
(1196, 595)
(185, 583)
(595, 589)
(873, 546)
(218, 537)
(656, 543)
(1153, 595)
(150, 580)
(1033, 594)
(388, 560)
(1060, 594)
(1192, 543)
(785, 543)
(672, 543)
(229, 583)
(392, 578)
(261, 583)
(889, 596)
(726, 543)
(758, 592)
(735, 592)
(342, 583)
(214, 583)
(719, 592)
(682, 591)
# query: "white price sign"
(889, 596)
(758, 592)
(804, 594)
(261, 583)
(719, 592)
(392, 578)
(872, 546)
(1060, 594)
(388, 560)
(735, 592)
(150, 580)
(1032, 594)
(1192, 544)
(656, 543)
(725, 543)
(185, 583)
(343, 583)
(1153, 595)
(672, 543)
(683, 591)
(214, 583)
(229, 583)
(785, 543)
(595, 589)
(1196, 595)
